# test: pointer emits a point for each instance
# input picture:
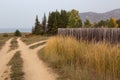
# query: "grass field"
(4, 38)
(35, 46)
(29, 39)
(16, 64)
(80, 60)
(14, 44)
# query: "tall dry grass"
(4, 37)
(80, 60)
(29, 38)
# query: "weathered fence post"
(111, 35)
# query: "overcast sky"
(21, 13)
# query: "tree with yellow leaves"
(112, 23)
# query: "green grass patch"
(16, 64)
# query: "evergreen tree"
(37, 29)
(87, 23)
(44, 24)
(64, 19)
(33, 30)
(56, 19)
(50, 24)
(53, 22)
(102, 23)
(118, 22)
(17, 33)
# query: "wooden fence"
(98, 34)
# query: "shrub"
(17, 33)
(5, 35)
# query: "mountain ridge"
(96, 17)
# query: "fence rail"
(98, 34)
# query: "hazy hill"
(95, 17)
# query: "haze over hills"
(95, 17)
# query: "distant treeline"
(68, 19)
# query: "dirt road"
(33, 67)
(5, 58)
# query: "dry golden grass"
(16, 64)
(29, 38)
(14, 44)
(4, 38)
(80, 60)
(37, 45)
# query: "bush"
(17, 33)
(5, 35)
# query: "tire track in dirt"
(5, 58)
(33, 67)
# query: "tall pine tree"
(44, 24)
(50, 24)
(64, 19)
(37, 29)
(53, 22)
